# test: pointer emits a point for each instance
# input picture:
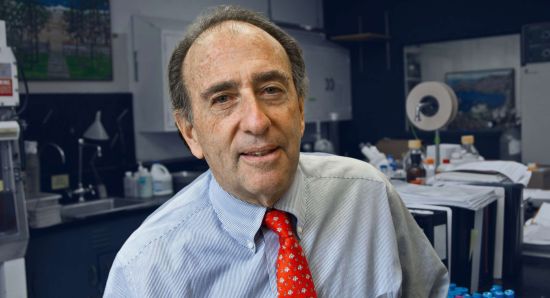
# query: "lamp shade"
(96, 131)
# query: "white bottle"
(144, 182)
(468, 152)
(130, 185)
(430, 167)
(162, 180)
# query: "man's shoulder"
(334, 166)
(175, 217)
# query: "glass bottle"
(415, 170)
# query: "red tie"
(293, 275)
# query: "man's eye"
(272, 90)
(220, 99)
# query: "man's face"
(247, 117)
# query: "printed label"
(6, 88)
(60, 181)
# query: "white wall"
(439, 58)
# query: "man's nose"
(254, 118)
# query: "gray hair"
(181, 101)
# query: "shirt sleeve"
(118, 283)
(423, 273)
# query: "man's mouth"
(259, 153)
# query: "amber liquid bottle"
(416, 173)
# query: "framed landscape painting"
(60, 40)
(485, 98)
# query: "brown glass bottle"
(416, 173)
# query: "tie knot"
(279, 222)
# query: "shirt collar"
(293, 201)
(243, 220)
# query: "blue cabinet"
(74, 259)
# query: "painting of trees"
(60, 39)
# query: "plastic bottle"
(452, 286)
(510, 143)
(509, 294)
(162, 180)
(430, 167)
(385, 170)
(444, 166)
(496, 288)
(144, 182)
(415, 171)
(468, 152)
(32, 170)
(130, 185)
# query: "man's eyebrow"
(273, 75)
(218, 87)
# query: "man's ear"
(188, 132)
(302, 115)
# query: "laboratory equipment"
(144, 182)
(430, 167)
(375, 157)
(162, 180)
(96, 131)
(32, 168)
(467, 153)
(431, 106)
(416, 173)
(130, 185)
(14, 233)
(13, 220)
(81, 190)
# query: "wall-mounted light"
(96, 131)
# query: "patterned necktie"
(293, 275)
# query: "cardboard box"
(540, 178)
(395, 147)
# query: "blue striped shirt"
(359, 240)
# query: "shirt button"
(299, 230)
(250, 244)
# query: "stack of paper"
(537, 229)
(465, 177)
(463, 196)
(487, 171)
(44, 210)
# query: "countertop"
(136, 205)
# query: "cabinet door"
(74, 259)
(304, 12)
(170, 39)
(535, 104)
(328, 70)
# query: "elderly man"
(266, 221)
